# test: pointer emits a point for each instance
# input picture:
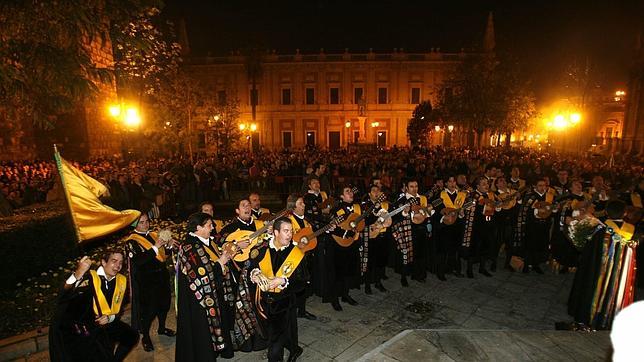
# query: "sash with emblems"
(104, 307)
(147, 245)
(285, 270)
(296, 225)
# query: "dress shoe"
(441, 277)
(404, 282)
(347, 299)
(380, 287)
(485, 272)
(385, 277)
(367, 289)
(167, 332)
(293, 356)
(537, 269)
(470, 274)
(147, 344)
(458, 274)
(420, 280)
(526, 269)
(336, 306)
(307, 315)
(493, 268)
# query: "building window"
(310, 138)
(254, 97)
(286, 96)
(357, 94)
(415, 96)
(334, 96)
(287, 139)
(221, 97)
(310, 96)
(382, 95)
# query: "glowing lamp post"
(249, 129)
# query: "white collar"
(101, 272)
(409, 196)
(540, 194)
(271, 244)
(244, 222)
(203, 240)
(515, 180)
(298, 216)
(451, 192)
(314, 193)
(141, 232)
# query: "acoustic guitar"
(384, 219)
(356, 223)
(309, 237)
(252, 236)
(450, 214)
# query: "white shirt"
(203, 240)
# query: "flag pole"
(59, 166)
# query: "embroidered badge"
(210, 302)
(254, 253)
(201, 271)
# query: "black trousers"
(421, 251)
(155, 297)
(122, 335)
(378, 253)
(282, 333)
(536, 241)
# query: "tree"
(223, 121)
(46, 65)
(419, 125)
(174, 109)
(484, 94)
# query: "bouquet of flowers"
(580, 231)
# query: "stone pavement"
(486, 345)
(507, 301)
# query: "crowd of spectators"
(175, 185)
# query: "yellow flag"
(91, 218)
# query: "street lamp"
(450, 128)
(248, 128)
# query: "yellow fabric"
(550, 196)
(636, 199)
(218, 226)
(213, 257)
(626, 231)
(423, 201)
(324, 195)
(296, 226)
(147, 245)
(356, 209)
(458, 202)
(91, 218)
(286, 269)
(117, 299)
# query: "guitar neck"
(263, 229)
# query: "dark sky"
(543, 35)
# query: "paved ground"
(507, 301)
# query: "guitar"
(545, 208)
(252, 236)
(384, 219)
(502, 202)
(309, 237)
(356, 223)
(450, 215)
(509, 199)
(422, 213)
(329, 202)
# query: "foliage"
(173, 110)
(224, 127)
(46, 66)
(484, 94)
(580, 231)
(420, 123)
(144, 51)
(46, 69)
